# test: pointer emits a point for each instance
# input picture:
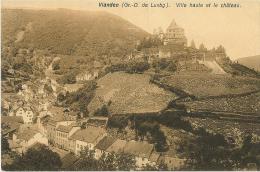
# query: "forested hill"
(69, 32)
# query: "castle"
(174, 35)
(172, 44)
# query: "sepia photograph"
(130, 85)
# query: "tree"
(4, 145)
(56, 65)
(125, 162)
(202, 47)
(192, 44)
(210, 152)
(80, 99)
(87, 161)
(103, 111)
(37, 158)
(107, 162)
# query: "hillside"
(210, 85)
(251, 62)
(69, 32)
(129, 93)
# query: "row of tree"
(41, 158)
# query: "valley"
(83, 83)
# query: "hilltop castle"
(174, 35)
(172, 44)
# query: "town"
(155, 102)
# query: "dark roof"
(8, 119)
(105, 143)
(9, 127)
(68, 160)
(10, 123)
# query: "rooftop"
(68, 160)
(67, 128)
(8, 119)
(26, 134)
(89, 135)
(140, 149)
(117, 146)
(154, 157)
(105, 143)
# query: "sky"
(237, 29)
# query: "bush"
(131, 67)
(68, 78)
(137, 67)
(56, 65)
(80, 99)
(103, 111)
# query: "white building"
(26, 113)
(87, 138)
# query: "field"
(208, 85)
(129, 93)
(239, 104)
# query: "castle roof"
(173, 24)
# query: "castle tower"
(175, 35)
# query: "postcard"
(130, 85)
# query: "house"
(26, 113)
(86, 76)
(103, 145)
(59, 116)
(25, 139)
(173, 163)
(141, 150)
(42, 123)
(63, 132)
(87, 138)
(117, 146)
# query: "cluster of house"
(59, 127)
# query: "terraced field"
(130, 93)
(210, 85)
(248, 104)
